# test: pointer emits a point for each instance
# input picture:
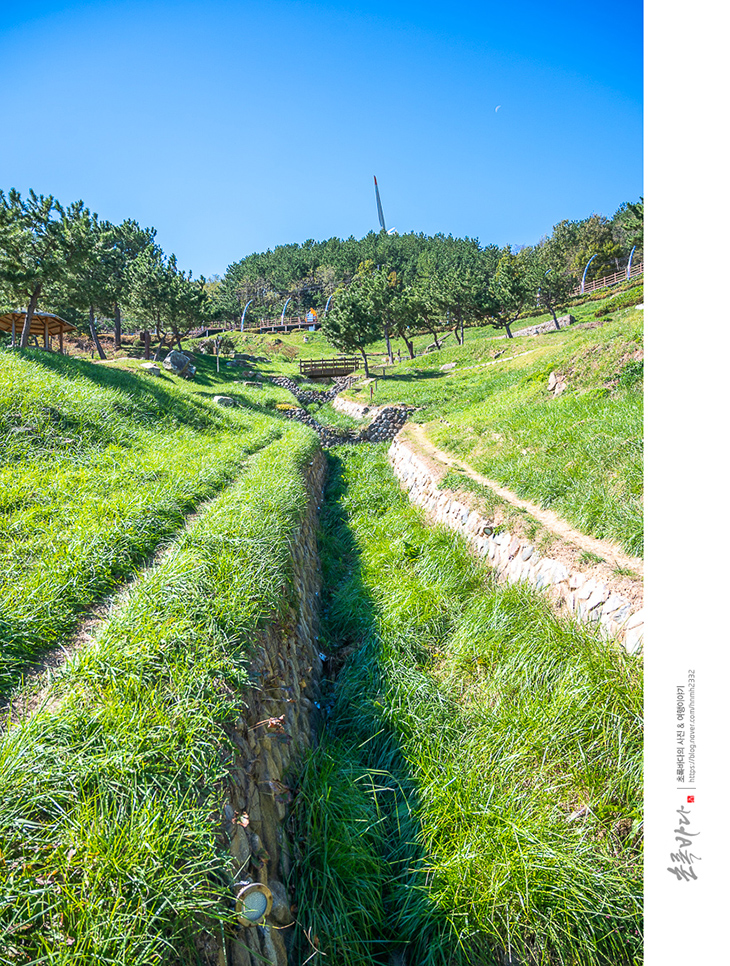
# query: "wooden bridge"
(325, 368)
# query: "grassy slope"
(285, 349)
(480, 783)
(98, 465)
(109, 802)
(579, 453)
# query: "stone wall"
(550, 326)
(517, 560)
(282, 712)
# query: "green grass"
(580, 453)
(479, 784)
(97, 466)
(109, 796)
(329, 416)
(285, 349)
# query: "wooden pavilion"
(42, 323)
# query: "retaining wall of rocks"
(307, 396)
(517, 560)
(550, 326)
(282, 710)
(388, 422)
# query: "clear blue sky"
(234, 127)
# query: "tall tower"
(381, 218)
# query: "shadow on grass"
(155, 393)
(157, 396)
(361, 875)
(38, 636)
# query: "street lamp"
(583, 280)
(628, 269)
(243, 317)
(283, 311)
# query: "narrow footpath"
(611, 553)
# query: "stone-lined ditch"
(389, 420)
(284, 701)
(586, 597)
(283, 710)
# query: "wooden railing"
(294, 322)
(608, 280)
(321, 368)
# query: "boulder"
(151, 368)
(179, 364)
(566, 320)
(556, 383)
(224, 400)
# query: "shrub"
(623, 300)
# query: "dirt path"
(611, 553)
(40, 673)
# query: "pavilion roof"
(37, 325)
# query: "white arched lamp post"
(243, 317)
(628, 269)
(283, 311)
(583, 280)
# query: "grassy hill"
(578, 452)
(477, 785)
(97, 466)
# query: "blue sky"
(234, 127)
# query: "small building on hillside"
(42, 324)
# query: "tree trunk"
(159, 350)
(29, 316)
(365, 360)
(461, 325)
(117, 327)
(94, 336)
(409, 346)
(387, 343)
(432, 330)
(508, 330)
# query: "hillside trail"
(610, 552)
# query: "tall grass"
(109, 794)
(580, 453)
(97, 467)
(484, 756)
